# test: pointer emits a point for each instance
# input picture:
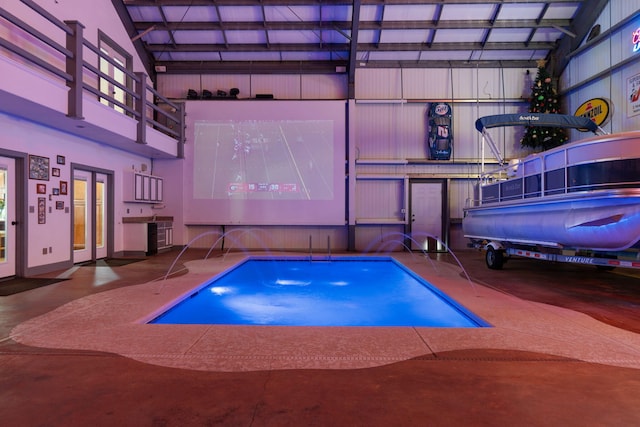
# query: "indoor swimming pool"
(342, 291)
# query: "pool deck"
(524, 333)
(114, 322)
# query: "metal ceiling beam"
(346, 25)
(325, 2)
(328, 47)
(353, 50)
(321, 67)
(144, 54)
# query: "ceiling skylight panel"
(505, 55)
(505, 35)
(409, 12)
(445, 55)
(394, 56)
(337, 13)
(240, 13)
(370, 13)
(292, 13)
(550, 35)
(191, 56)
(299, 37)
(561, 10)
(460, 36)
(246, 37)
(145, 13)
(198, 37)
(332, 36)
(456, 12)
(368, 36)
(190, 13)
(403, 36)
(529, 11)
(157, 37)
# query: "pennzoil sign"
(596, 109)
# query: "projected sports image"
(257, 162)
(263, 159)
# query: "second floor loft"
(58, 78)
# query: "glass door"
(82, 240)
(100, 213)
(7, 218)
(90, 218)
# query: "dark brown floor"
(48, 387)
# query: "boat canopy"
(536, 119)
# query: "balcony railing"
(68, 62)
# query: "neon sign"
(635, 38)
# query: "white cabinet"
(142, 188)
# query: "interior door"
(90, 219)
(428, 199)
(8, 251)
(100, 214)
(82, 214)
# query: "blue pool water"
(342, 292)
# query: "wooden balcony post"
(74, 68)
(181, 117)
(140, 107)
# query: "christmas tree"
(544, 99)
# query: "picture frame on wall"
(38, 167)
(64, 187)
(41, 188)
(60, 160)
(42, 210)
(55, 191)
(55, 171)
(59, 205)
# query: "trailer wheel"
(494, 258)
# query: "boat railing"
(611, 163)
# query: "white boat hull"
(607, 221)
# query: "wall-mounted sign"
(596, 109)
(635, 39)
(633, 95)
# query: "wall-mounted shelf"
(378, 176)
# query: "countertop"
(146, 219)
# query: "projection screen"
(265, 162)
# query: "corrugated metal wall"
(605, 66)
(388, 130)
(289, 86)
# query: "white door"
(82, 238)
(89, 216)
(100, 214)
(7, 217)
(427, 199)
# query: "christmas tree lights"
(544, 99)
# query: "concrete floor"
(564, 350)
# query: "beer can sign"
(596, 109)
